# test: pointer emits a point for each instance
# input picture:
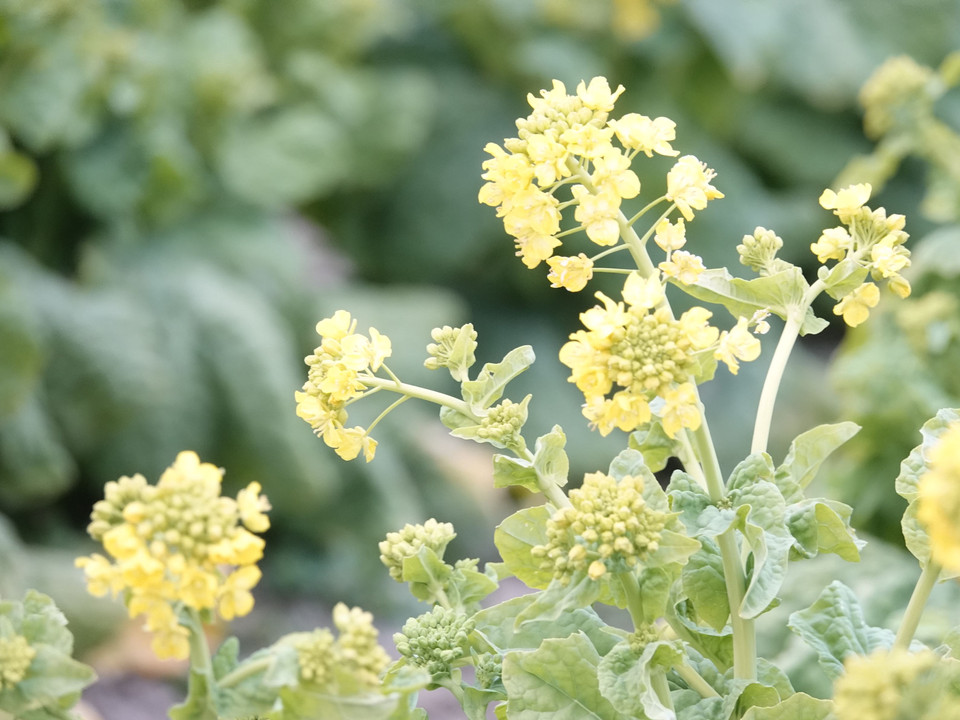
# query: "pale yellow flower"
(939, 499)
(571, 273)
(846, 202)
(252, 505)
(338, 326)
(738, 344)
(832, 245)
(688, 185)
(683, 266)
(597, 95)
(643, 292)
(855, 305)
(670, 236)
(235, 598)
(889, 259)
(533, 249)
(598, 214)
(638, 132)
(680, 409)
(612, 174)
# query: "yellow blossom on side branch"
(177, 545)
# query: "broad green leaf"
(715, 645)
(476, 700)
(754, 467)
(688, 499)
(557, 681)
(778, 293)
(656, 584)
(843, 278)
(823, 526)
(630, 462)
(625, 678)
(467, 586)
(656, 446)
(498, 626)
(550, 459)
(300, 703)
(493, 378)
(515, 537)
(40, 621)
(509, 471)
(834, 627)
(559, 598)
(673, 547)
(807, 452)
(743, 694)
(261, 681)
(796, 707)
(711, 708)
(53, 675)
(704, 585)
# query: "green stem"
(918, 601)
(771, 384)
(415, 391)
(631, 589)
(658, 679)
(695, 681)
(201, 684)
(744, 631)
(238, 675)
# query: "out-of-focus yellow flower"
(846, 202)
(680, 409)
(572, 273)
(939, 499)
(179, 544)
(688, 186)
(737, 344)
(855, 305)
(16, 655)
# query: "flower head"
(175, 543)
(649, 136)
(572, 273)
(855, 305)
(688, 185)
(846, 202)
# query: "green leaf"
(493, 378)
(263, 674)
(625, 678)
(823, 526)
(844, 277)
(467, 586)
(779, 293)
(302, 704)
(550, 459)
(688, 499)
(704, 585)
(515, 537)
(672, 548)
(557, 681)
(807, 452)
(509, 471)
(834, 627)
(498, 626)
(796, 707)
(656, 446)
(476, 700)
(631, 462)
(426, 573)
(559, 598)
(715, 645)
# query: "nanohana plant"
(694, 563)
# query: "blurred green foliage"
(161, 163)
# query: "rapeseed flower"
(177, 545)
(688, 186)
(939, 499)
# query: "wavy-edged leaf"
(807, 452)
(625, 678)
(516, 536)
(493, 378)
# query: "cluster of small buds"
(638, 346)
(452, 348)
(436, 640)
(870, 238)
(335, 378)
(407, 543)
(643, 636)
(607, 528)
(568, 139)
(939, 499)
(503, 423)
(16, 654)
(177, 544)
(888, 96)
(759, 252)
(355, 653)
(488, 669)
(872, 686)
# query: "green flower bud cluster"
(503, 422)
(16, 654)
(355, 653)
(452, 348)
(895, 94)
(873, 685)
(108, 513)
(608, 528)
(436, 640)
(759, 252)
(643, 636)
(407, 542)
(488, 669)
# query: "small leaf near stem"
(918, 601)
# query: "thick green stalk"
(695, 681)
(238, 675)
(771, 384)
(631, 589)
(415, 391)
(200, 686)
(658, 679)
(918, 601)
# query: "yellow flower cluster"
(939, 500)
(608, 528)
(16, 654)
(872, 686)
(638, 347)
(335, 379)
(568, 139)
(870, 239)
(177, 544)
(355, 656)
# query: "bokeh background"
(187, 186)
